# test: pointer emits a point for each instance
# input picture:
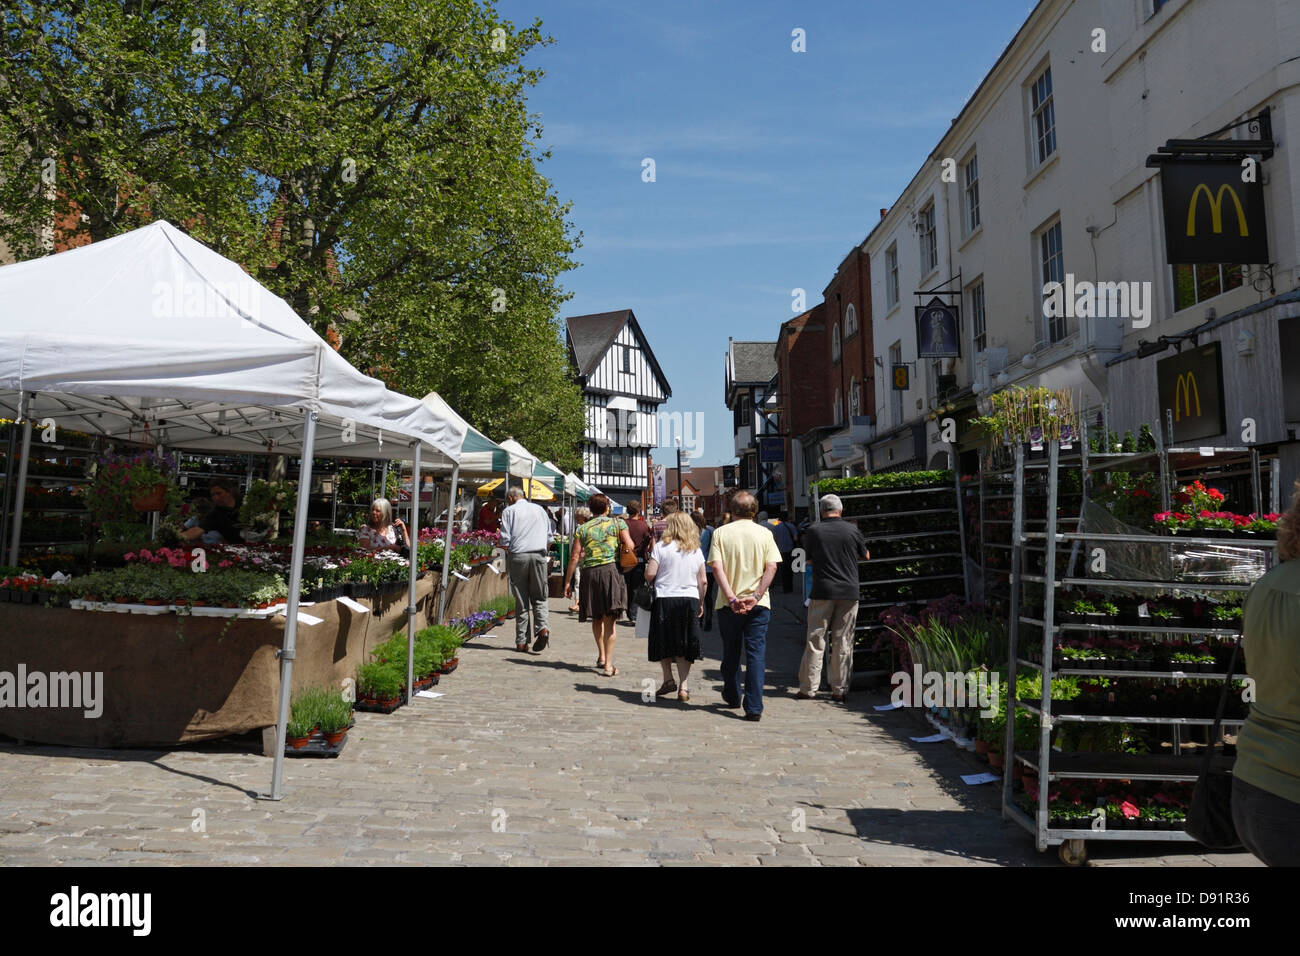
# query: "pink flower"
(1128, 809)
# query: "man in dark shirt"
(834, 548)
(222, 520)
(641, 536)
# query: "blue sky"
(769, 164)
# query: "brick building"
(806, 387)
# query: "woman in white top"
(383, 532)
(675, 567)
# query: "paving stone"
(586, 774)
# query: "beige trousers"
(836, 620)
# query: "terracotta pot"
(152, 500)
(297, 743)
(153, 602)
(335, 738)
(981, 746)
(995, 759)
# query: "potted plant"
(335, 718)
(259, 512)
(1226, 616)
(1165, 616)
(124, 486)
(1077, 610)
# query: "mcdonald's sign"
(1211, 215)
(1190, 387)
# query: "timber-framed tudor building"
(623, 387)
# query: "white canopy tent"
(151, 336)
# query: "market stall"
(152, 338)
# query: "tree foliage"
(373, 163)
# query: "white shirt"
(677, 572)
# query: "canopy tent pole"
(414, 532)
(446, 544)
(291, 610)
(11, 445)
(20, 493)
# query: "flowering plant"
(120, 480)
(264, 501)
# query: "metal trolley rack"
(1051, 764)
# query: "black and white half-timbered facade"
(623, 386)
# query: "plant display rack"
(54, 514)
(988, 510)
(917, 545)
(1033, 637)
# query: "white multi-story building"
(1043, 177)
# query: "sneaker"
(543, 638)
(802, 696)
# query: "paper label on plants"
(974, 779)
(932, 739)
(354, 605)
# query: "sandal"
(611, 673)
(683, 696)
(600, 665)
(667, 689)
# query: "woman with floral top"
(604, 594)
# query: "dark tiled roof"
(590, 336)
(753, 361)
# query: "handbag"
(644, 596)
(1209, 818)
(627, 559)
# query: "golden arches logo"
(1216, 209)
(1186, 389)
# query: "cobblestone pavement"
(538, 759)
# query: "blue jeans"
(750, 631)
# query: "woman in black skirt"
(676, 569)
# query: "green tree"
(374, 164)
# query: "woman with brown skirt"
(604, 595)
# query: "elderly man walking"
(526, 535)
(744, 557)
(834, 548)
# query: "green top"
(599, 539)
(1268, 749)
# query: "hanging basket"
(153, 500)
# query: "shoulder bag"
(1209, 818)
(627, 559)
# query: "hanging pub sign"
(902, 378)
(937, 330)
(771, 448)
(1211, 215)
(1190, 384)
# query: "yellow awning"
(534, 489)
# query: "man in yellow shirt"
(744, 557)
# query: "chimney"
(883, 212)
